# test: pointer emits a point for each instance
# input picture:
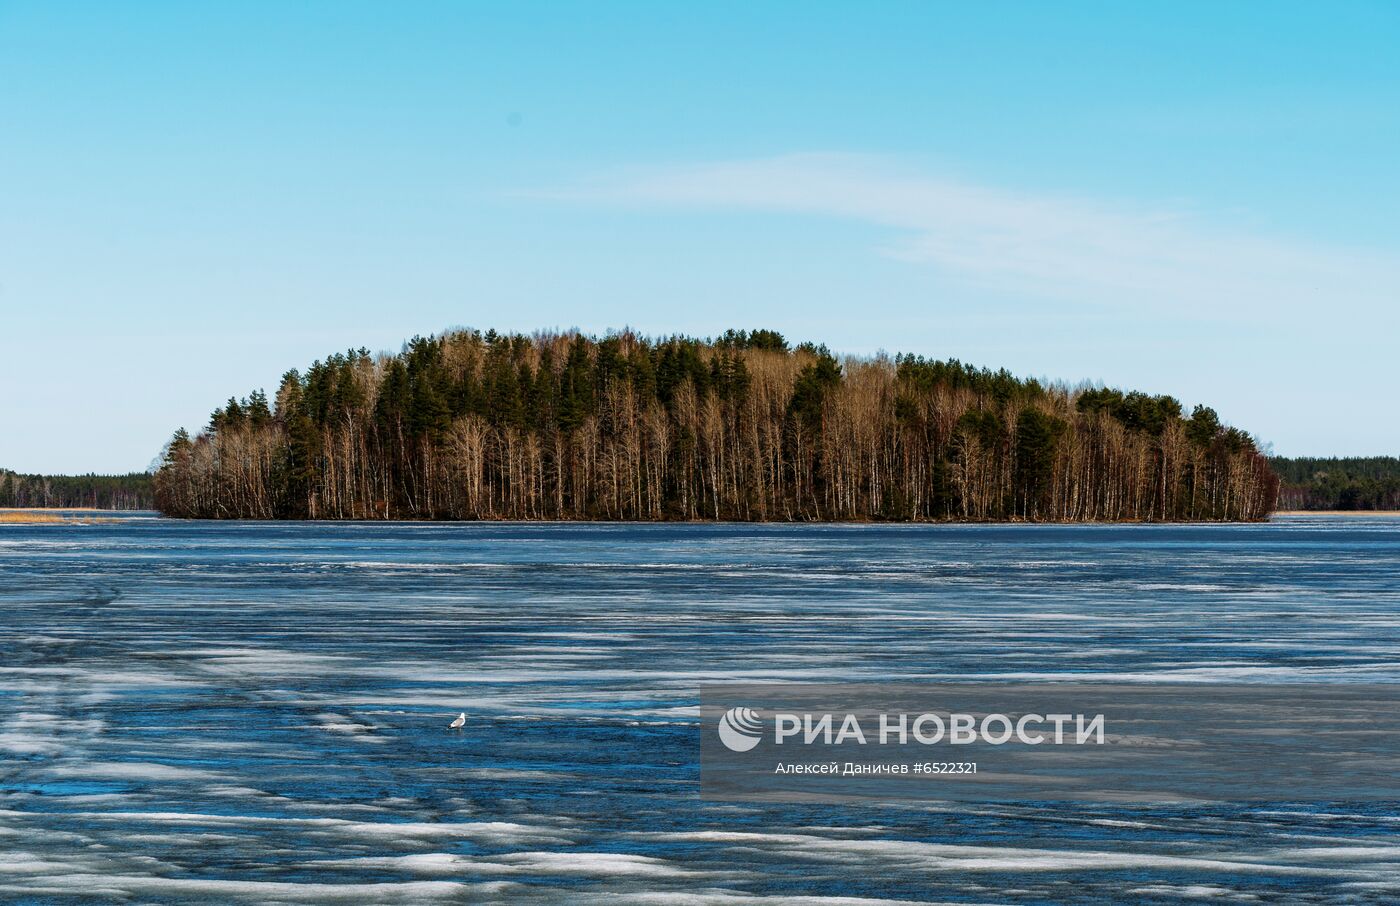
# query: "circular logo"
(740, 729)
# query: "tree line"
(134, 491)
(471, 425)
(1349, 483)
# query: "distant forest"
(103, 492)
(469, 425)
(1353, 483)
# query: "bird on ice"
(459, 722)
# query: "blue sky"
(1188, 198)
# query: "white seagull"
(459, 722)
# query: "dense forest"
(1353, 483)
(469, 425)
(103, 492)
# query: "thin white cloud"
(1032, 244)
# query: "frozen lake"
(257, 711)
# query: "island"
(557, 425)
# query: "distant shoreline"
(41, 515)
(63, 509)
(85, 515)
(1336, 512)
(56, 515)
